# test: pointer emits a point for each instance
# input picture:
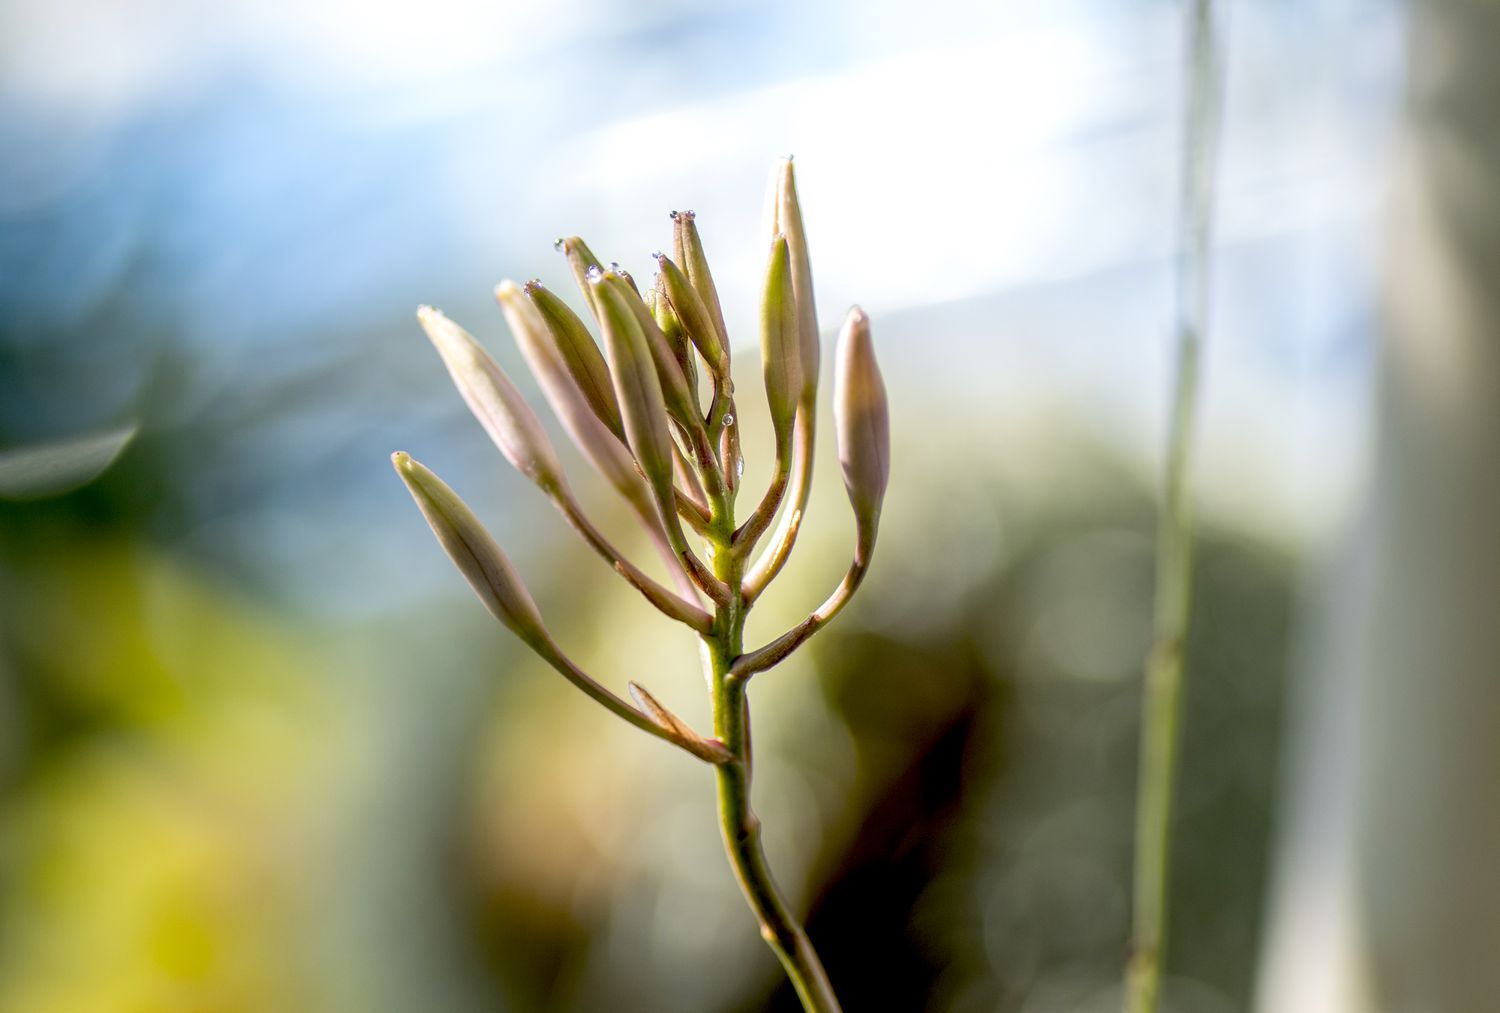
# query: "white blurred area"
(954, 154)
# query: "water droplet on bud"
(594, 273)
(561, 244)
(614, 265)
(739, 467)
(728, 420)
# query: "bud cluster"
(650, 403)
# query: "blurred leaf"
(49, 469)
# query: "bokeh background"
(261, 750)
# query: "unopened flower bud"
(786, 219)
(695, 317)
(862, 423)
(474, 551)
(672, 329)
(638, 391)
(603, 449)
(781, 355)
(580, 260)
(495, 401)
(688, 249)
(674, 386)
(576, 347)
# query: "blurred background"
(260, 748)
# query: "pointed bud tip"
(507, 290)
(401, 460)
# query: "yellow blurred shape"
(154, 857)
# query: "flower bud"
(575, 346)
(674, 386)
(672, 329)
(603, 449)
(474, 551)
(580, 259)
(862, 423)
(695, 317)
(786, 214)
(626, 277)
(688, 249)
(495, 401)
(638, 391)
(781, 355)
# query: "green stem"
(1162, 706)
(738, 823)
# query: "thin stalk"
(750, 532)
(1162, 704)
(738, 823)
(777, 650)
(780, 550)
(675, 606)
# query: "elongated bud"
(603, 449)
(688, 249)
(474, 551)
(862, 422)
(580, 259)
(674, 386)
(638, 391)
(495, 401)
(695, 317)
(575, 346)
(786, 214)
(672, 329)
(626, 277)
(780, 350)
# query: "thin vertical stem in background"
(1162, 706)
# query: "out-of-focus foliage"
(165, 813)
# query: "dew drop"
(614, 265)
(739, 467)
(672, 215)
(656, 255)
(728, 420)
(561, 245)
(594, 273)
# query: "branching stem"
(667, 601)
(738, 823)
